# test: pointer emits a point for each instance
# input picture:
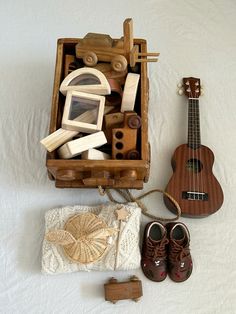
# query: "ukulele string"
(198, 170)
(200, 147)
(196, 146)
(192, 140)
(189, 163)
(198, 142)
(190, 143)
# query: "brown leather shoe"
(179, 259)
(154, 251)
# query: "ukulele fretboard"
(194, 137)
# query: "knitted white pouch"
(123, 252)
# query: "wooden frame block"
(130, 91)
(61, 136)
(95, 154)
(94, 106)
(86, 80)
(76, 147)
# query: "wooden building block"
(78, 104)
(130, 91)
(95, 154)
(86, 80)
(76, 147)
(124, 140)
(111, 121)
(61, 136)
(69, 64)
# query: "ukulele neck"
(194, 137)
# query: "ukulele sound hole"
(194, 165)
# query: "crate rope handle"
(126, 194)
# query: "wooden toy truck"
(115, 291)
(120, 52)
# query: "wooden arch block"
(86, 80)
(130, 91)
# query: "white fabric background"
(195, 38)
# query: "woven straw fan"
(84, 238)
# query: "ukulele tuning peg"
(202, 91)
(179, 85)
(180, 92)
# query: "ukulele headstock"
(191, 87)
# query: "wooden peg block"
(76, 147)
(95, 154)
(124, 139)
(77, 102)
(130, 91)
(111, 121)
(61, 136)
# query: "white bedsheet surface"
(195, 38)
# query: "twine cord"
(128, 197)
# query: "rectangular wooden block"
(69, 59)
(61, 136)
(76, 147)
(94, 154)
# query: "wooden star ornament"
(122, 214)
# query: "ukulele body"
(193, 184)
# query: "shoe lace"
(156, 250)
(178, 251)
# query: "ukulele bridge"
(195, 196)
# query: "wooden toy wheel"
(134, 122)
(119, 63)
(134, 278)
(133, 154)
(90, 59)
(50, 176)
(66, 175)
(113, 280)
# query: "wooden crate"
(77, 173)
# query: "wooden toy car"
(115, 291)
(120, 52)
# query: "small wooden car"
(115, 291)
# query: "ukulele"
(193, 184)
